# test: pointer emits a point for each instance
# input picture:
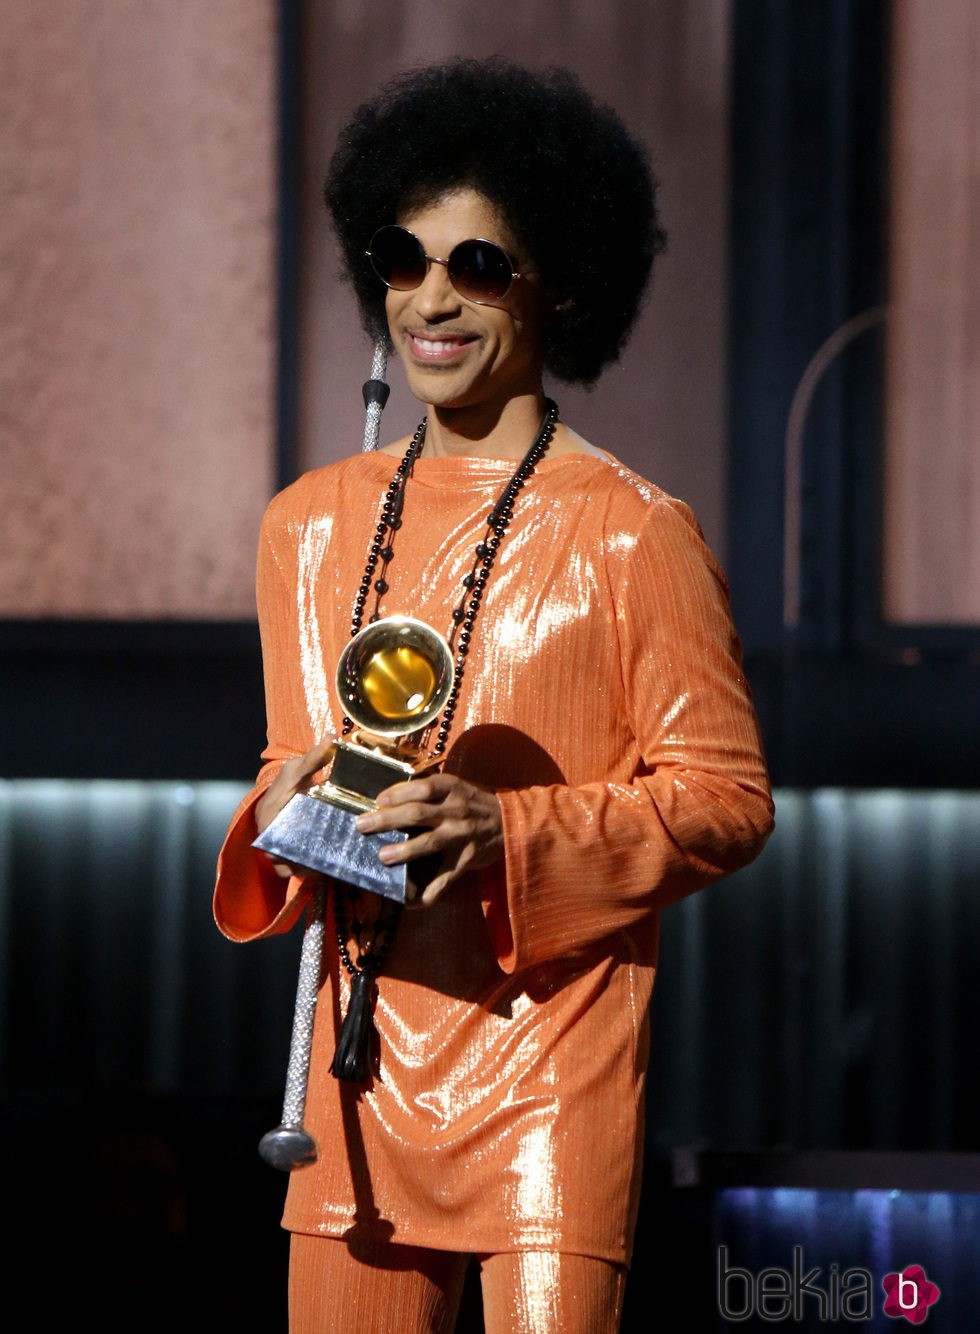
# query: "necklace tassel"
(354, 1042)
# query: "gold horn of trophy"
(393, 680)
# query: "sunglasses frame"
(512, 274)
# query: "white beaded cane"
(290, 1145)
(376, 391)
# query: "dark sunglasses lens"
(398, 258)
(479, 270)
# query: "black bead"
(469, 581)
(381, 587)
(458, 615)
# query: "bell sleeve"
(250, 899)
(583, 863)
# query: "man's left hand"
(457, 821)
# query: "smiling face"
(459, 354)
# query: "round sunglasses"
(479, 270)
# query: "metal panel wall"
(823, 997)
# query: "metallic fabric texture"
(604, 701)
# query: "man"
(600, 753)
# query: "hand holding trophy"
(393, 680)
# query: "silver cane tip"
(287, 1147)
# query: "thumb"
(315, 758)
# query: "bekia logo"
(776, 1294)
(909, 1294)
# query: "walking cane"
(290, 1145)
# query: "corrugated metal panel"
(823, 997)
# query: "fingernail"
(365, 823)
(387, 854)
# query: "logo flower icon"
(909, 1295)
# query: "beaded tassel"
(357, 1032)
(356, 1053)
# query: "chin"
(437, 393)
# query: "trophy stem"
(289, 1145)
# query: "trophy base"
(313, 832)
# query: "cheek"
(523, 338)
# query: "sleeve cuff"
(250, 899)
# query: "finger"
(398, 817)
(425, 844)
(438, 788)
(436, 885)
(281, 868)
(426, 801)
(434, 889)
(314, 759)
(415, 789)
(296, 775)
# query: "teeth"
(437, 344)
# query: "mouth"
(431, 348)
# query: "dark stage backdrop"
(822, 1000)
(822, 997)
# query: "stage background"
(175, 346)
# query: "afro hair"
(572, 183)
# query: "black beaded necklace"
(465, 613)
(354, 1040)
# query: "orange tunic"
(604, 700)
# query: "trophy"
(393, 680)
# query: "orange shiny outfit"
(604, 701)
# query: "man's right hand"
(295, 776)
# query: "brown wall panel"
(137, 258)
(932, 458)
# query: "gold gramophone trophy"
(393, 680)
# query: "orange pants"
(385, 1289)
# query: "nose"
(436, 297)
